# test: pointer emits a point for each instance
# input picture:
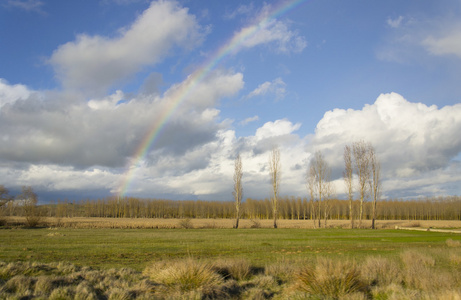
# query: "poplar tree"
(275, 170)
(238, 189)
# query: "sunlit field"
(110, 259)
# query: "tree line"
(362, 179)
(289, 208)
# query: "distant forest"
(439, 208)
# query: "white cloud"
(394, 23)
(27, 5)
(276, 87)
(95, 63)
(445, 44)
(273, 33)
(249, 120)
(415, 143)
(12, 93)
(61, 129)
(265, 30)
(413, 38)
(242, 9)
(410, 138)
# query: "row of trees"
(360, 162)
(361, 177)
(289, 208)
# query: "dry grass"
(185, 276)
(377, 270)
(330, 278)
(414, 275)
(128, 223)
(452, 243)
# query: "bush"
(186, 224)
(255, 223)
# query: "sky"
(155, 99)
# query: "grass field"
(278, 253)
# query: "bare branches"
(362, 169)
(275, 170)
(362, 159)
(348, 176)
(375, 182)
(238, 189)
(319, 185)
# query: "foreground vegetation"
(412, 275)
(212, 262)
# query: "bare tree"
(362, 168)
(4, 197)
(275, 170)
(310, 183)
(375, 182)
(319, 184)
(238, 189)
(31, 211)
(348, 180)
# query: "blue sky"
(82, 82)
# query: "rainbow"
(232, 46)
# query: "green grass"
(109, 248)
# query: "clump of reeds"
(330, 278)
(238, 269)
(377, 270)
(185, 276)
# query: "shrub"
(186, 224)
(329, 278)
(255, 223)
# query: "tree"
(4, 197)
(31, 211)
(348, 180)
(319, 184)
(375, 183)
(362, 168)
(275, 170)
(238, 189)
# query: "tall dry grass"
(184, 276)
(430, 274)
(144, 223)
(330, 278)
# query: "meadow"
(208, 259)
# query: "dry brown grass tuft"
(185, 276)
(420, 272)
(330, 278)
(452, 243)
(377, 270)
(238, 268)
